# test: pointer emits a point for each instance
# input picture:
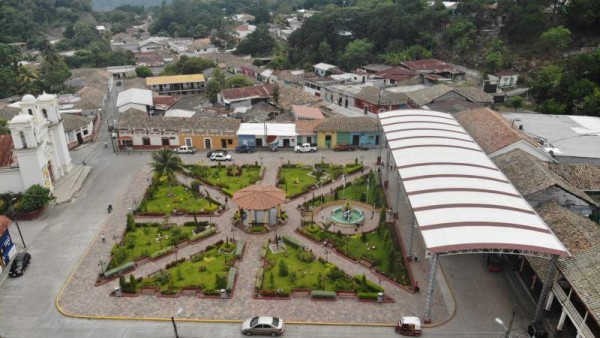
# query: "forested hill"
(104, 5)
(22, 20)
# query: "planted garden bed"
(297, 179)
(208, 271)
(142, 240)
(228, 179)
(374, 249)
(162, 198)
(292, 268)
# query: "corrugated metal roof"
(460, 199)
(156, 80)
(243, 93)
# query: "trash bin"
(117, 291)
(223, 294)
(380, 297)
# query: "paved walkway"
(80, 297)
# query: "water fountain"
(347, 215)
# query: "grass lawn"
(304, 271)
(142, 242)
(199, 272)
(163, 199)
(297, 179)
(375, 246)
(356, 191)
(225, 178)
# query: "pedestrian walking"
(372, 213)
(103, 239)
(226, 199)
(115, 238)
(105, 145)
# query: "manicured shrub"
(283, 269)
(34, 198)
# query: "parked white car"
(220, 157)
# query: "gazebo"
(261, 203)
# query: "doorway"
(188, 142)
(259, 143)
(223, 143)
(355, 140)
(286, 142)
(207, 143)
(79, 138)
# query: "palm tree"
(166, 163)
(26, 78)
(50, 55)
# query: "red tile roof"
(396, 73)
(262, 91)
(307, 127)
(490, 130)
(307, 113)
(430, 66)
(7, 158)
(164, 100)
(259, 197)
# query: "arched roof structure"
(461, 201)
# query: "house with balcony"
(177, 84)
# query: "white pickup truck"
(305, 148)
(185, 150)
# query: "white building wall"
(10, 180)
(124, 108)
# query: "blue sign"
(6, 245)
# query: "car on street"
(210, 152)
(305, 148)
(20, 264)
(185, 150)
(245, 149)
(344, 147)
(263, 325)
(220, 157)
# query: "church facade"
(40, 145)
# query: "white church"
(40, 145)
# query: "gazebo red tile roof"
(259, 197)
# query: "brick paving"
(81, 297)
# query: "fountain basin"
(356, 216)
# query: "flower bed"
(295, 268)
(374, 249)
(228, 179)
(297, 179)
(208, 271)
(162, 199)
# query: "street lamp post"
(362, 157)
(16, 222)
(510, 324)
(233, 233)
(173, 321)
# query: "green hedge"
(119, 269)
(323, 294)
(293, 242)
(367, 295)
(231, 279)
(259, 279)
(162, 252)
(203, 234)
(239, 249)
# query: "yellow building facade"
(202, 141)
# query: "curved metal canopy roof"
(462, 202)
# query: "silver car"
(220, 157)
(263, 325)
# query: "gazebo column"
(430, 288)
(549, 301)
(548, 281)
